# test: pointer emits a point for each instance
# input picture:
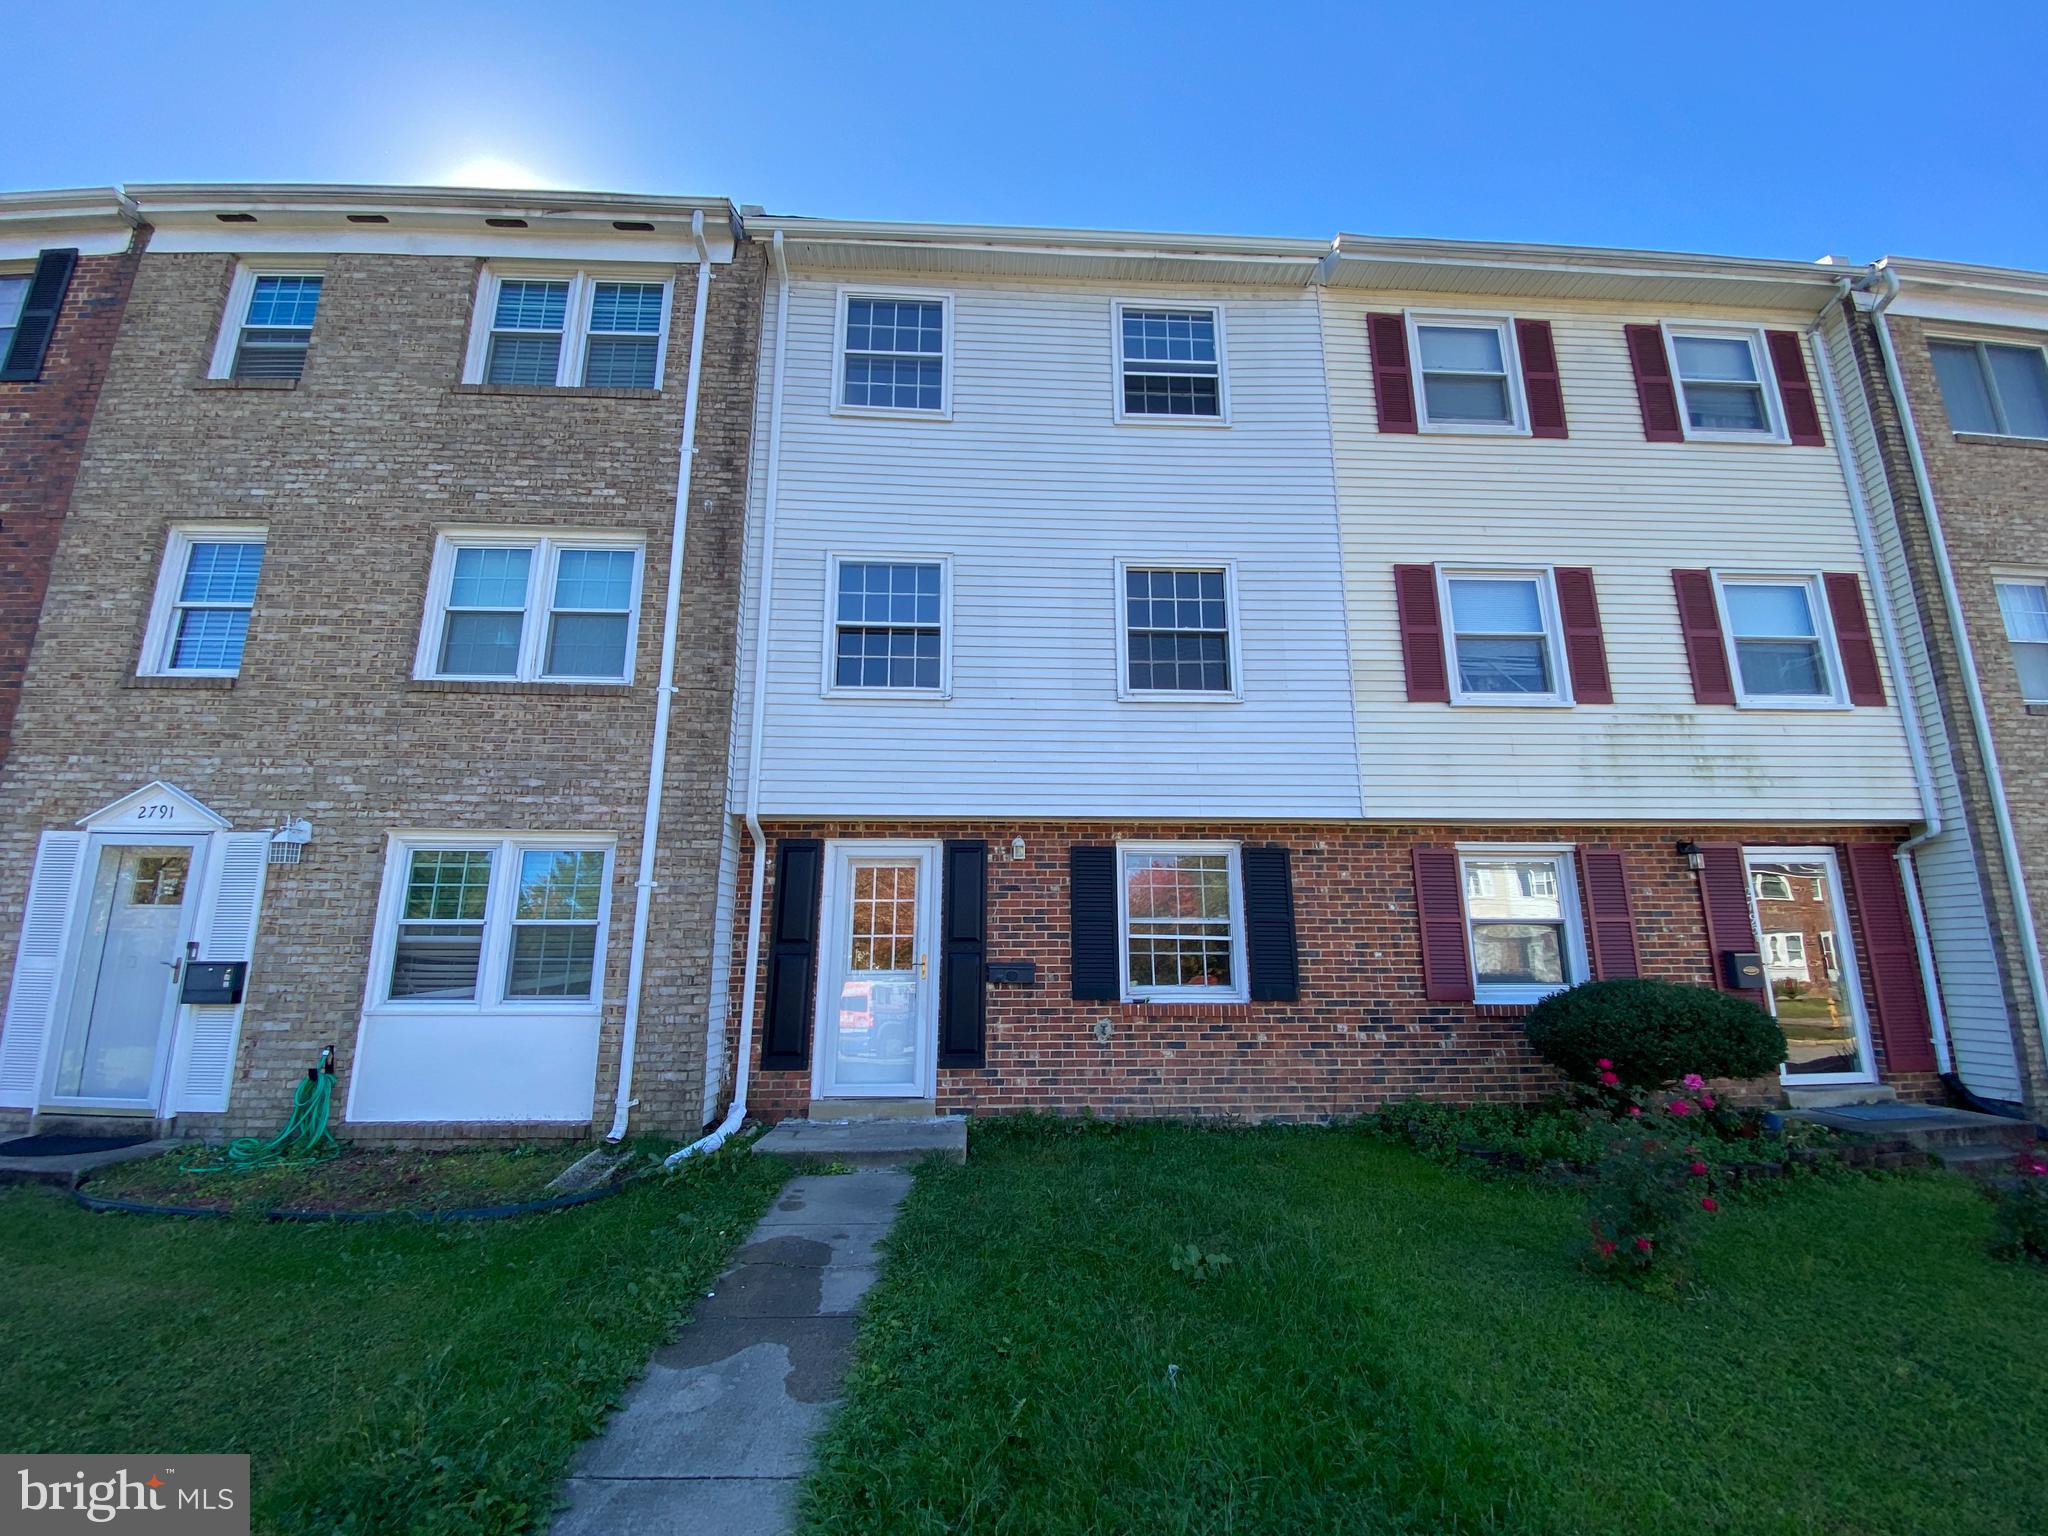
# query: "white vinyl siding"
(1633, 511)
(1036, 494)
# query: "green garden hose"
(305, 1138)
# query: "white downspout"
(1902, 686)
(664, 692)
(1966, 657)
(742, 1071)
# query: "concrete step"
(1932, 1128)
(874, 1109)
(1984, 1160)
(1837, 1097)
(887, 1142)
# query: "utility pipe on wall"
(1966, 658)
(664, 692)
(742, 1071)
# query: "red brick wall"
(42, 437)
(1362, 1033)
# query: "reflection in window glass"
(1777, 642)
(1517, 917)
(1178, 931)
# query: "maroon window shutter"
(1788, 362)
(1608, 921)
(1422, 635)
(1440, 909)
(1656, 390)
(1724, 896)
(1542, 385)
(1888, 951)
(1853, 638)
(1585, 647)
(1393, 382)
(1705, 651)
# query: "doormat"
(65, 1146)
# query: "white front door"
(115, 1032)
(878, 1018)
(1795, 900)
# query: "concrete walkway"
(714, 1437)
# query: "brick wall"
(352, 472)
(1993, 495)
(43, 429)
(1362, 1033)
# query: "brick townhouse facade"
(368, 548)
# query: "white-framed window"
(1522, 923)
(1180, 916)
(1786, 949)
(1171, 363)
(2024, 606)
(205, 591)
(1772, 886)
(1726, 388)
(1780, 641)
(515, 606)
(889, 621)
(13, 294)
(1468, 371)
(1503, 638)
(474, 922)
(599, 328)
(893, 355)
(268, 324)
(1177, 632)
(1992, 386)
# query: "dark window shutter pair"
(1440, 915)
(1393, 376)
(38, 323)
(1902, 1020)
(1657, 387)
(1093, 939)
(1422, 635)
(1706, 649)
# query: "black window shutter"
(963, 956)
(38, 322)
(792, 954)
(1269, 925)
(1091, 920)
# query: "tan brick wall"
(1993, 496)
(353, 472)
(1361, 1034)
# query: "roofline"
(1023, 237)
(1606, 260)
(67, 204)
(315, 197)
(2011, 282)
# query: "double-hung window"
(2024, 605)
(1177, 629)
(893, 351)
(565, 329)
(1470, 375)
(1169, 363)
(1725, 384)
(1993, 387)
(268, 326)
(486, 921)
(888, 630)
(13, 294)
(1522, 921)
(206, 589)
(1182, 921)
(511, 607)
(1504, 637)
(1777, 630)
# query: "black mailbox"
(1013, 973)
(1742, 968)
(214, 981)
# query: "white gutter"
(1902, 687)
(1966, 657)
(664, 692)
(742, 1072)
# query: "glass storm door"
(877, 1014)
(124, 992)
(1803, 939)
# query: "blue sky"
(1764, 129)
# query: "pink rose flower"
(1707, 1100)
(1603, 1063)
(1699, 1168)
(1605, 1248)
(1644, 1244)
(1694, 1081)
(1635, 1111)
(1709, 1203)
(1681, 1107)
(1609, 1079)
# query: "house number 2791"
(160, 812)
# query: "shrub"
(2022, 1210)
(1647, 1192)
(1647, 1034)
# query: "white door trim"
(1846, 957)
(47, 1098)
(834, 942)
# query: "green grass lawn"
(387, 1377)
(1399, 1347)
